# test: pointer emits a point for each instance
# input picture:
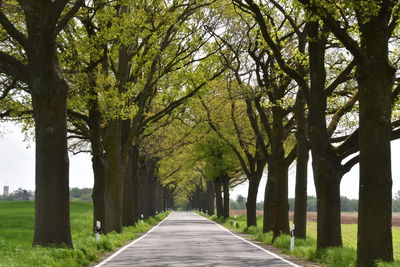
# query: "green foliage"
(16, 230)
(216, 156)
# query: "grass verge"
(16, 234)
(307, 249)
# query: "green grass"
(16, 234)
(306, 249)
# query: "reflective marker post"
(141, 216)
(292, 238)
(234, 222)
(97, 230)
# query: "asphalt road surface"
(187, 239)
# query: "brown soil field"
(347, 217)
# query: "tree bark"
(98, 160)
(218, 197)
(279, 173)
(326, 165)
(251, 203)
(327, 184)
(49, 99)
(129, 217)
(226, 195)
(281, 205)
(375, 80)
(210, 198)
(148, 189)
(268, 216)
(114, 181)
(300, 206)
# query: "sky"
(17, 168)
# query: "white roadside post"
(292, 238)
(234, 222)
(97, 229)
(141, 216)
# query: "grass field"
(16, 234)
(306, 249)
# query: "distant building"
(6, 190)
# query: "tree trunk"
(251, 203)
(281, 205)
(98, 160)
(114, 181)
(300, 206)
(129, 217)
(326, 165)
(327, 185)
(210, 198)
(98, 194)
(268, 216)
(148, 189)
(165, 199)
(375, 192)
(279, 173)
(49, 99)
(218, 197)
(226, 196)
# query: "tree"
(248, 139)
(219, 165)
(375, 23)
(327, 167)
(29, 54)
(139, 78)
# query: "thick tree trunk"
(326, 165)
(268, 216)
(375, 193)
(129, 217)
(327, 185)
(279, 173)
(98, 194)
(218, 197)
(158, 197)
(98, 160)
(114, 181)
(226, 196)
(281, 205)
(165, 198)
(251, 203)
(138, 187)
(300, 206)
(148, 189)
(210, 197)
(49, 99)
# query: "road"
(187, 239)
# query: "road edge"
(109, 258)
(251, 243)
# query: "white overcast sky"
(17, 162)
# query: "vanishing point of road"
(187, 239)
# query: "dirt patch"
(347, 217)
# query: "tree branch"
(14, 32)
(71, 13)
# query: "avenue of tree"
(179, 101)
